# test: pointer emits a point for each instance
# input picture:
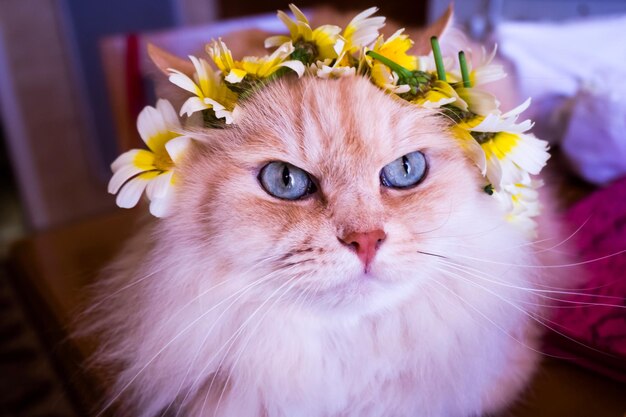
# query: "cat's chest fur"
(401, 363)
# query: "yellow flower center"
(483, 137)
(305, 52)
(500, 144)
(162, 161)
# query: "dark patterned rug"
(29, 385)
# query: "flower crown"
(505, 154)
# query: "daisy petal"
(168, 114)
(338, 47)
(487, 74)
(436, 104)
(274, 41)
(153, 126)
(122, 175)
(126, 158)
(400, 89)
(158, 187)
(144, 160)
(147, 123)
(131, 192)
(518, 110)
(192, 105)
(296, 66)
(176, 148)
(235, 75)
(480, 102)
(472, 148)
(298, 13)
(161, 207)
(530, 154)
(291, 25)
(364, 14)
(183, 81)
(491, 123)
(363, 29)
(305, 30)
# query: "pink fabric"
(599, 331)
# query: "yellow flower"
(362, 30)
(511, 155)
(479, 102)
(151, 169)
(521, 204)
(209, 91)
(439, 95)
(508, 171)
(471, 147)
(324, 69)
(484, 71)
(256, 67)
(395, 49)
(387, 79)
(325, 39)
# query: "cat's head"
(330, 190)
(327, 190)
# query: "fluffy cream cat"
(354, 296)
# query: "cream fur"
(312, 336)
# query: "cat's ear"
(421, 37)
(164, 61)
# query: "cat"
(356, 299)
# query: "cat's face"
(342, 134)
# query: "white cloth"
(576, 68)
(595, 139)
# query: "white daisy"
(387, 79)
(479, 102)
(362, 30)
(325, 38)
(151, 169)
(208, 89)
(521, 204)
(484, 71)
(511, 155)
(252, 66)
(481, 69)
(324, 69)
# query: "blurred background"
(74, 76)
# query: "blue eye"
(283, 180)
(405, 171)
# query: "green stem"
(398, 69)
(464, 73)
(441, 71)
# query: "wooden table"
(53, 269)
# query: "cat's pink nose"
(365, 244)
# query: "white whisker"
(197, 352)
(162, 349)
(497, 326)
(569, 265)
(537, 291)
(532, 316)
(210, 330)
(250, 334)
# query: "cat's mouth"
(362, 286)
